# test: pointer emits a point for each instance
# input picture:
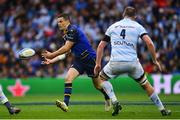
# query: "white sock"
(155, 99)
(3, 98)
(106, 85)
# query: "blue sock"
(8, 105)
(67, 92)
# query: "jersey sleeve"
(106, 38)
(108, 32)
(142, 31)
(71, 35)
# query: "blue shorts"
(86, 66)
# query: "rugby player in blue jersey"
(85, 57)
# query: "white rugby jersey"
(124, 37)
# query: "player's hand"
(46, 61)
(47, 54)
(158, 65)
(97, 69)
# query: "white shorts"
(133, 69)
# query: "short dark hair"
(66, 16)
(129, 11)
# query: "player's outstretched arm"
(152, 50)
(100, 50)
(67, 47)
(47, 61)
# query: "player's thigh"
(78, 66)
(137, 73)
(96, 82)
(106, 73)
(88, 66)
(71, 75)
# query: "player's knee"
(142, 80)
(148, 88)
(97, 86)
(145, 85)
(68, 80)
(103, 77)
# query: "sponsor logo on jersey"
(123, 43)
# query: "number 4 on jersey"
(123, 33)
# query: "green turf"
(89, 111)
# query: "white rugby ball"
(26, 53)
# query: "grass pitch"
(90, 107)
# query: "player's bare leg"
(97, 85)
(155, 98)
(71, 75)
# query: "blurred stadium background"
(31, 23)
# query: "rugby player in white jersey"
(123, 36)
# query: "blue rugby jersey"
(81, 48)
